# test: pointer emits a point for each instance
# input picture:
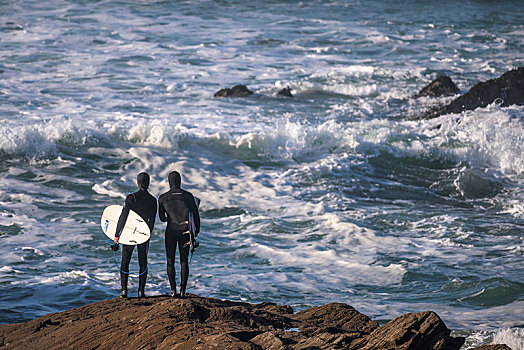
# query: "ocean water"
(336, 194)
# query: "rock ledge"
(206, 323)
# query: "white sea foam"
(294, 139)
(328, 266)
(512, 337)
(40, 138)
(22, 140)
(345, 254)
(105, 189)
(488, 137)
(64, 277)
(6, 270)
(34, 250)
(156, 134)
(485, 137)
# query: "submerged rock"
(508, 89)
(442, 86)
(235, 91)
(205, 323)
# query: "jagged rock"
(442, 86)
(493, 347)
(509, 88)
(236, 91)
(206, 323)
(334, 318)
(421, 331)
(285, 92)
(269, 341)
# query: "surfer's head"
(142, 181)
(174, 179)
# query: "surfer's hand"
(116, 240)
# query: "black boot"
(123, 293)
(183, 292)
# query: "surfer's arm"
(154, 216)
(123, 216)
(197, 221)
(161, 211)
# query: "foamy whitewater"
(333, 195)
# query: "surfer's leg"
(142, 262)
(127, 251)
(184, 265)
(170, 253)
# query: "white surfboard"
(136, 230)
(193, 244)
(191, 220)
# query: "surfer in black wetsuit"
(144, 204)
(174, 207)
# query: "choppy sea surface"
(336, 194)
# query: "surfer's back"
(174, 206)
(144, 204)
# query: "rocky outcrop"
(442, 86)
(285, 92)
(508, 89)
(235, 91)
(333, 326)
(422, 331)
(205, 323)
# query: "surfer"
(144, 204)
(174, 207)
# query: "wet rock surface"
(442, 86)
(235, 91)
(285, 92)
(205, 323)
(508, 90)
(424, 330)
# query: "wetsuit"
(173, 207)
(144, 204)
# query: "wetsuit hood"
(142, 181)
(174, 179)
